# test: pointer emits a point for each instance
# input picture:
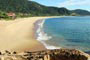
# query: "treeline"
(31, 8)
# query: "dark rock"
(57, 54)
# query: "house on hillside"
(12, 15)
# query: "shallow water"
(68, 32)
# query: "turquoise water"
(68, 32)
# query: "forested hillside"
(31, 8)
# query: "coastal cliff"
(57, 54)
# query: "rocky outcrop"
(57, 54)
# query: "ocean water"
(65, 32)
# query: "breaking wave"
(42, 36)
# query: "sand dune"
(17, 35)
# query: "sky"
(69, 4)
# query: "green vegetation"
(3, 14)
(81, 12)
(25, 8)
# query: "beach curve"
(18, 35)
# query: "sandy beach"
(18, 35)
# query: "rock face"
(57, 54)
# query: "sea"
(65, 32)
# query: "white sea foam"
(42, 36)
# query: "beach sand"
(18, 35)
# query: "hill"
(81, 12)
(31, 8)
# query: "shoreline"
(18, 35)
(41, 36)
